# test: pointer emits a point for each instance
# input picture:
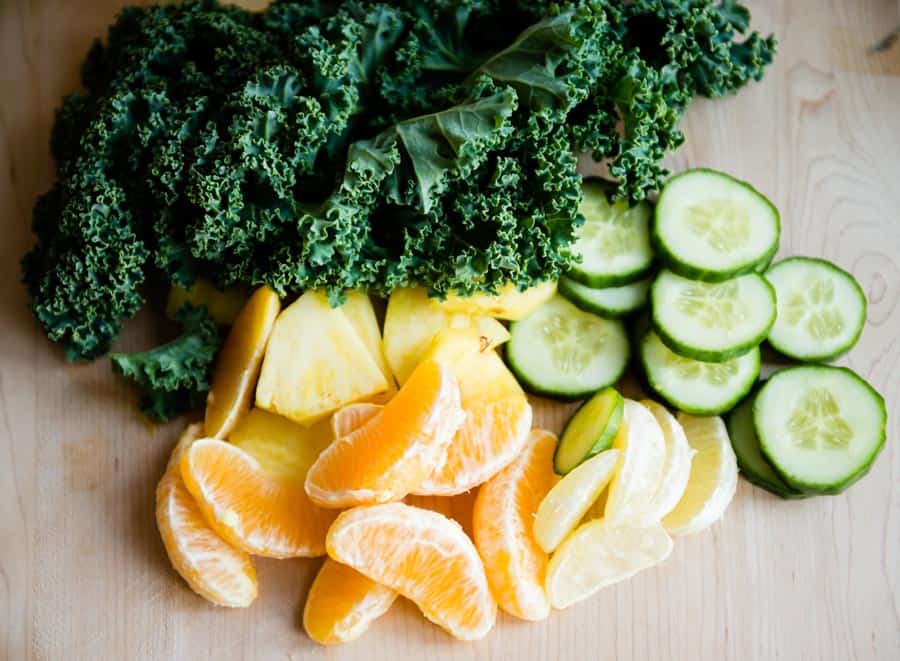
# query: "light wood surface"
(83, 574)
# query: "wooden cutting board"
(83, 574)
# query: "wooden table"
(83, 574)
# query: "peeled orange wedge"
(216, 571)
(353, 416)
(425, 557)
(516, 565)
(342, 603)
(251, 490)
(393, 453)
(237, 366)
(498, 415)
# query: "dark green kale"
(359, 144)
(174, 378)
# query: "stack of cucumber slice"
(714, 299)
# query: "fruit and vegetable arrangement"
(370, 225)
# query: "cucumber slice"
(710, 226)
(609, 302)
(566, 353)
(695, 386)
(614, 242)
(820, 427)
(590, 431)
(712, 321)
(754, 466)
(821, 309)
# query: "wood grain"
(83, 574)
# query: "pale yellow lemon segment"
(677, 469)
(572, 498)
(637, 477)
(713, 479)
(600, 553)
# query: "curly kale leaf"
(359, 144)
(173, 378)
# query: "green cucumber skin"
(604, 442)
(600, 282)
(834, 355)
(747, 471)
(558, 395)
(569, 294)
(705, 355)
(815, 488)
(686, 270)
(687, 408)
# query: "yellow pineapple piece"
(223, 305)
(361, 315)
(315, 363)
(413, 320)
(510, 303)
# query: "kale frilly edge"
(356, 145)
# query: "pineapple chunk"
(412, 321)
(315, 363)
(361, 315)
(510, 303)
(480, 371)
(223, 305)
(281, 446)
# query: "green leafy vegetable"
(173, 377)
(358, 144)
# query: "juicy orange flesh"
(352, 417)
(252, 490)
(342, 603)
(498, 415)
(422, 555)
(213, 569)
(458, 507)
(238, 364)
(516, 565)
(396, 450)
(485, 443)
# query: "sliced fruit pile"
(410, 459)
(713, 301)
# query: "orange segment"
(498, 415)
(237, 366)
(352, 417)
(342, 603)
(459, 507)
(504, 514)
(213, 569)
(392, 454)
(425, 557)
(251, 490)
